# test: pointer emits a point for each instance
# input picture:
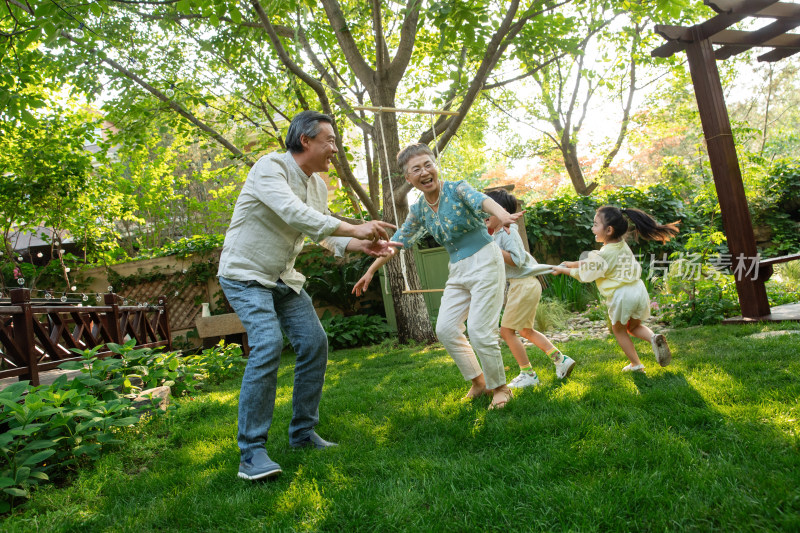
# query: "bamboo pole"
(417, 291)
(402, 110)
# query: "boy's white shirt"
(525, 263)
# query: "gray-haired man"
(282, 201)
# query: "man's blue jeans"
(264, 313)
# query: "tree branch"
(505, 33)
(408, 35)
(348, 45)
(488, 87)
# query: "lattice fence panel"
(183, 304)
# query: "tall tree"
(218, 67)
(608, 61)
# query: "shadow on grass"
(641, 452)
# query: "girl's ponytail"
(649, 228)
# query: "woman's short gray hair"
(404, 155)
(304, 123)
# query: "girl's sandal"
(502, 403)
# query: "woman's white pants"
(474, 294)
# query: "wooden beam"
(775, 32)
(755, 38)
(727, 174)
(679, 36)
(777, 55)
(731, 12)
(776, 10)
(733, 7)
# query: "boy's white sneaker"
(661, 350)
(564, 368)
(524, 380)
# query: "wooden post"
(727, 175)
(112, 317)
(23, 333)
(163, 320)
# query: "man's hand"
(374, 230)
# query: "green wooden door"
(432, 266)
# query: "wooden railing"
(37, 337)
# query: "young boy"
(524, 291)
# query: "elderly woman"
(454, 213)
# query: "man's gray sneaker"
(258, 466)
(314, 440)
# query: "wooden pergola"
(698, 41)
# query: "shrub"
(570, 291)
(550, 315)
(351, 331)
(330, 281)
(598, 311)
(777, 205)
(704, 297)
(50, 430)
(784, 285)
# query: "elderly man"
(282, 201)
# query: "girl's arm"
(591, 268)
(566, 267)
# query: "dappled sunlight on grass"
(709, 442)
(367, 431)
(302, 502)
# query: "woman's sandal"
(502, 403)
(476, 395)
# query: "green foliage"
(47, 179)
(330, 281)
(560, 227)
(54, 429)
(351, 331)
(200, 245)
(598, 311)
(777, 205)
(173, 189)
(695, 294)
(570, 291)
(551, 315)
(49, 276)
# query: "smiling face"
(421, 172)
(317, 152)
(600, 230)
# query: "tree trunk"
(411, 313)
(570, 154)
(410, 310)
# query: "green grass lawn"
(708, 443)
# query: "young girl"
(617, 274)
(524, 292)
(454, 213)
